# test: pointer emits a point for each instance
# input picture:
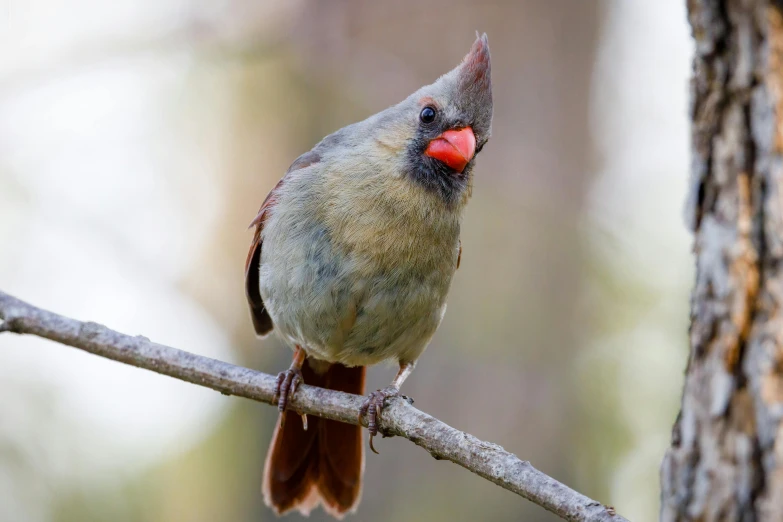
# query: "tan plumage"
(352, 259)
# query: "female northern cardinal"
(352, 258)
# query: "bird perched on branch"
(352, 258)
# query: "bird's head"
(430, 139)
(449, 122)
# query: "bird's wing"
(258, 312)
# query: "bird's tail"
(323, 464)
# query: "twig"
(399, 418)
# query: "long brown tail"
(323, 464)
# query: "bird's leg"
(373, 405)
(287, 382)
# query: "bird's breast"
(388, 222)
(365, 277)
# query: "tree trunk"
(726, 455)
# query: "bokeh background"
(137, 140)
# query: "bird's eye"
(427, 115)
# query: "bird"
(352, 257)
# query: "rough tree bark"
(726, 455)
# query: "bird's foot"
(287, 382)
(373, 405)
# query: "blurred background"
(137, 140)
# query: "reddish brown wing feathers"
(262, 322)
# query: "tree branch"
(399, 418)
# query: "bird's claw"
(287, 382)
(372, 407)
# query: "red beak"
(455, 148)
